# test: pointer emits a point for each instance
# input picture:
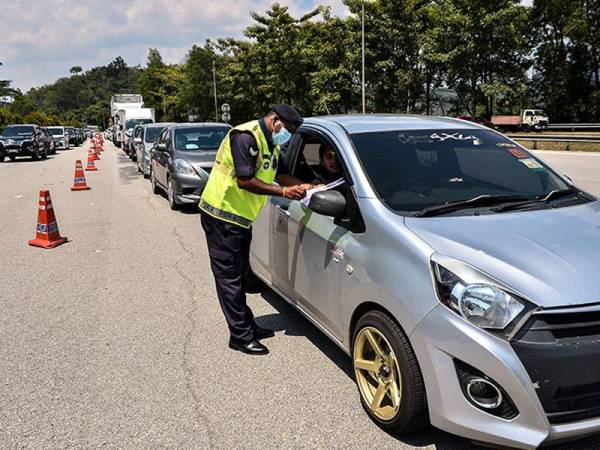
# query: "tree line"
(451, 57)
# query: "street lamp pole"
(164, 93)
(215, 91)
(364, 103)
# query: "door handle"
(281, 210)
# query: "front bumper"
(18, 150)
(60, 144)
(188, 188)
(443, 337)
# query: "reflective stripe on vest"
(222, 198)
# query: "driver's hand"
(295, 192)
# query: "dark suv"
(182, 158)
(23, 140)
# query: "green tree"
(482, 46)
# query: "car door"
(270, 241)
(315, 247)
(162, 157)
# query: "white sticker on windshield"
(532, 164)
(191, 147)
(455, 136)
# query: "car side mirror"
(138, 140)
(328, 203)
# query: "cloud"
(40, 46)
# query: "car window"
(201, 138)
(18, 130)
(412, 170)
(152, 133)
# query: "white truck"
(118, 103)
(131, 117)
(529, 119)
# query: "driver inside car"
(329, 169)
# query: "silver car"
(457, 270)
(144, 142)
(60, 136)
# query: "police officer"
(247, 163)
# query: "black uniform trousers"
(229, 251)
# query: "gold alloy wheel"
(377, 374)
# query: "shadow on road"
(128, 172)
(27, 159)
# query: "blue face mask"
(282, 137)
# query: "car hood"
(198, 158)
(551, 256)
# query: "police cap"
(288, 114)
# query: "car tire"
(155, 189)
(11, 157)
(401, 409)
(2, 157)
(45, 154)
(35, 156)
(171, 195)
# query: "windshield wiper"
(540, 199)
(480, 200)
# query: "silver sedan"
(457, 270)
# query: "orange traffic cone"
(47, 235)
(95, 152)
(91, 166)
(79, 183)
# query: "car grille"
(561, 352)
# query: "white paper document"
(306, 200)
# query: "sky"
(41, 40)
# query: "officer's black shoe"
(263, 333)
(251, 348)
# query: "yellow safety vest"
(222, 198)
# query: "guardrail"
(574, 126)
(568, 139)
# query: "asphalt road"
(116, 340)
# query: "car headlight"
(183, 167)
(478, 300)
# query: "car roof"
(201, 124)
(158, 124)
(364, 123)
(22, 125)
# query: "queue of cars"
(456, 269)
(37, 142)
(176, 157)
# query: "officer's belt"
(225, 215)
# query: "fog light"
(483, 393)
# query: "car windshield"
(539, 112)
(131, 123)
(201, 138)
(56, 131)
(17, 131)
(416, 169)
(152, 133)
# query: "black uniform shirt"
(244, 151)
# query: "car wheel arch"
(364, 308)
